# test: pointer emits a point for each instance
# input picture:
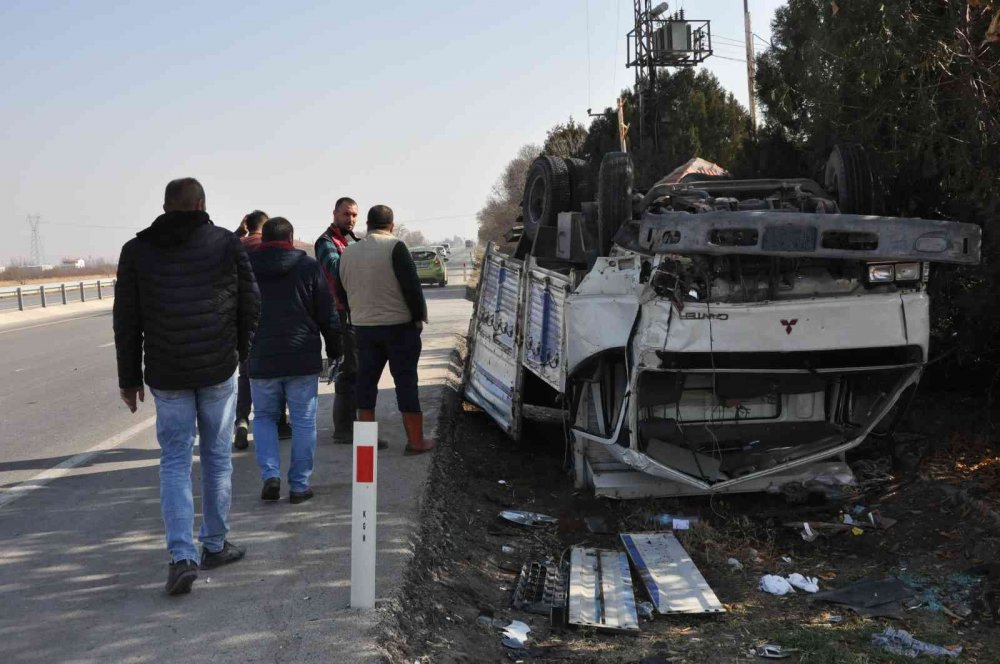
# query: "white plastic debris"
(776, 585)
(515, 635)
(808, 534)
(735, 564)
(810, 584)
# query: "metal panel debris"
(494, 379)
(600, 590)
(541, 587)
(673, 581)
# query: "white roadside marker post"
(363, 508)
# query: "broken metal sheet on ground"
(528, 518)
(600, 590)
(671, 578)
(871, 597)
(540, 587)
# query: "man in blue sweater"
(285, 360)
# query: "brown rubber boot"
(369, 416)
(415, 441)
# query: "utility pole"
(751, 67)
(36, 239)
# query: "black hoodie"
(295, 311)
(187, 297)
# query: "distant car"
(469, 244)
(446, 245)
(441, 250)
(431, 268)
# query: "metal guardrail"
(64, 292)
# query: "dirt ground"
(945, 526)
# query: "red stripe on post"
(366, 464)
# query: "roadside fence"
(45, 295)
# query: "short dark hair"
(255, 220)
(379, 217)
(277, 229)
(344, 200)
(183, 194)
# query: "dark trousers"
(347, 374)
(243, 399)
(400, 346)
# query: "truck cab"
(709, 335)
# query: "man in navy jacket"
(285, 359)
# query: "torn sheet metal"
(600, 590)
(671, 578)
(600, 313)
(523, 518)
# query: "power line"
(618, 41)
(589, 74)
(723, 57)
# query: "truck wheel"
(546, 193)
(580, 188)
(849, 179)
(442, 283)
(614, 197)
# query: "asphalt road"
(82, 558)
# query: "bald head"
(184, 195)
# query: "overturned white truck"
(709, 335)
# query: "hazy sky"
(286, 106)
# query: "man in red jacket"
(329, 247)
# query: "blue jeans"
(180, 414)
(269, 395)
(400, 346)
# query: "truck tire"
(848, 177)
(614, 197)
(546, 193)
(580, 188)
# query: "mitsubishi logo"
(789, 324)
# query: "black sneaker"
(296, 498)
(240, 437)
(180, 577)
(271, 490)
(230, 553)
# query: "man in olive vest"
(380, 289)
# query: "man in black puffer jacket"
(285, 361)
(186, 295)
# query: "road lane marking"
(110, 343)
(55, 322)
(62, 469)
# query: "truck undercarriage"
(707, 336)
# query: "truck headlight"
(880, 274)
(908, 271)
